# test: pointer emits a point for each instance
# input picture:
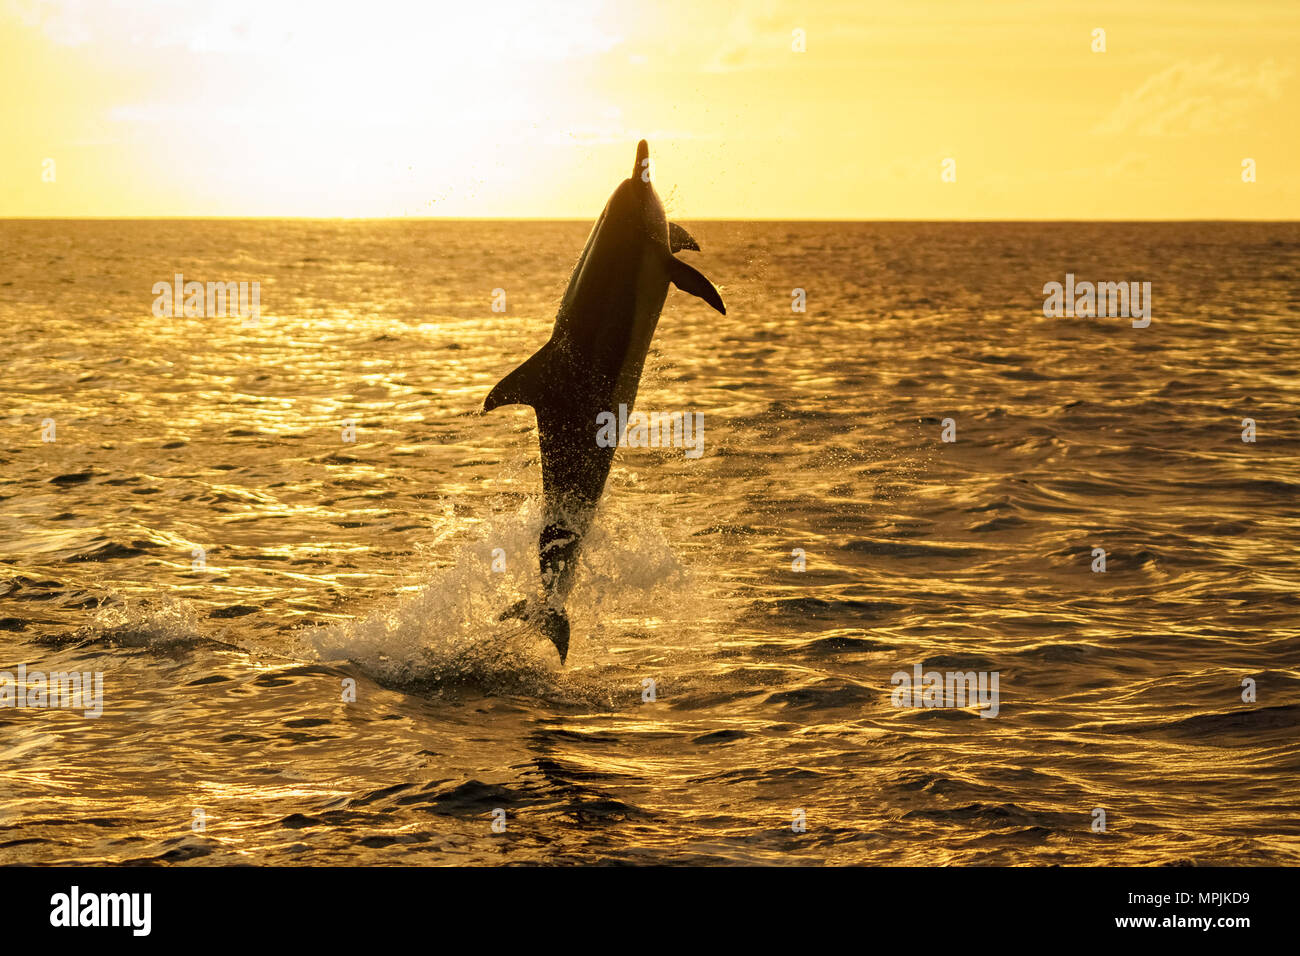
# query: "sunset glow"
(506, 109)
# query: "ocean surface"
(719, 705)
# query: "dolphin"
(591, 364)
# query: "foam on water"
(442, 631)
(156, 623)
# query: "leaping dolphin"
(592, 364)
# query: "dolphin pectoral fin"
(679, 239)
(689, 279)
(526, 385)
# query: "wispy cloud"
(1196, 96)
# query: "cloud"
(598, 135)
(1196, 97)
(753, 35)
(504, 30)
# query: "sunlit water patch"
(298, 633)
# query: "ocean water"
(715, 695)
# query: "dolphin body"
(592, 364)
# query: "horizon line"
(588, 219)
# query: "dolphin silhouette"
(592, 363)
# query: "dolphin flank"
(592, 364)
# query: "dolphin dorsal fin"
(689, 279)
(526, 385)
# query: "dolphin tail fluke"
(526, 385)
(689, 279)
(555, 625)
(517, 610)
(679, 239)
(552, 622)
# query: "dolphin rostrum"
(592, 364)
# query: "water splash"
(444, 631)
(156, 623)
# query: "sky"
(523, 108)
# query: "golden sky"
(517, 108)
